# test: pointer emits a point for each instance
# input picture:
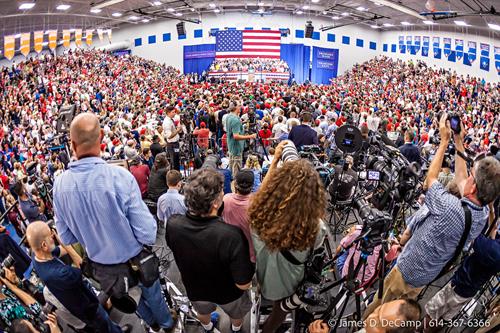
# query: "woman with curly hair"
(285, 215)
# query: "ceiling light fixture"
(461, 23)
(299, 12)
(157, 3)
(178, 14)
(388, 25)
(107, 3)
(63, 7)
(345, 14)
(96, 10)
(170, 9)
(145, 20)
(117, 14)
(494, 26)
(212, 5)
(305, 7)
(26, 6)
(192, 9)
(375, 26)
(133, 18)
(216, 10)
(406, 23)
(361, 8)
(428, 22)
(325, 12)
(335, 17)
(314, 1)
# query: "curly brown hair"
(286, 211)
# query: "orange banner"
(66, 38)
(78, 37)
(100, 33)
(52, 39)
(9, 47)
(110, 32)
(38, 35)
(25, 43)
(88, 36)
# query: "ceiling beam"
(400, 8)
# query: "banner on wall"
(437, 53)
(52, 39)
(110, 33)
(452, 57)
(66, 38)
(199, 54)
(497, 59)
(425, 46)
(25, 43)
(78, 37)
(459, 48)
(408, 42)
(38, 38)
(485, 50)
(436, 46)
(446, 46)
(485, 64)
(88, 36)
(472, 52)
(9, 47)
(416, 41)
(100, 33)
(402, 46)
(324, 65)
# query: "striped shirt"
(436, 235)
(100, 206)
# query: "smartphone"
(455, 124)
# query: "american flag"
(248, 44)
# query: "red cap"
(203, 125)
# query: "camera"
(455, 123)
(7, 263)
(47, 309)
(376, 223)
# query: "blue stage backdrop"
(197, 58)
(324, 65)
(298, 58)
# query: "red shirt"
(265, 134)
(202, 134)
(141, 175)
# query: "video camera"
(7, 263)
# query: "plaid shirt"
(436, 235)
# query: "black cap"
(244, 179)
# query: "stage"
(250, 76)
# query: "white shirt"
(168, 129)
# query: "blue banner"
(472, 52)
(497, 59)
(416, 41)
(437, 53)
(324, 65)
(408, 42)
(402, 48)
(484, 64)
(198, 58)
(402, 44)
(425, 51)
(459, 47)
(485, 50)
(446, 46)
(466, 60)
(452, 56)
(425, 46)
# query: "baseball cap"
(244, 179)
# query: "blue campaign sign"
(324, 65)
(199, 54)
(327, 54)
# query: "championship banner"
(66, 38)
(109, 34)
(472, 52)
(9, 47)
(78, 37)
(38, 36)
(88, 36)
(459, 47)
(25, 43)
(408, 42)
(485, 50)
(416, 41)
(100, 33)
(485, 64)
(52, 39)
(446, 46)
(402, 46)
(497, 59)
(425, 46)
(435, 46)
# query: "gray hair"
(487, 178)
(202, 189)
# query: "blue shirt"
(437, 232)
(227, 179)
(169, 204)
(303, 135)
(100, 206)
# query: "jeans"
(152, 307)
(173, 155)
(102, 323)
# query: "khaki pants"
(394, 288)
(235, 162)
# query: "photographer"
(285, 216)
(107, 216)
(440, 227)
(32, 208)
(212, 256)
(24, 326)
(171, 133)
(66, 282)
(303, 134)
(236, 138)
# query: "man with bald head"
(100, 206)
(66, 282)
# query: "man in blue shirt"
(439, 227)
(171, 202)
(64, 281)
(409, 150)
(100, 206)
(303, 135)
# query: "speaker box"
(309, 29)
(181, 30)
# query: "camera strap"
(291, 259)
(461, 244)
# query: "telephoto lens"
(289, 152)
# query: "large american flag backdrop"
(248, 44)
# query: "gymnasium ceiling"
(378, 14)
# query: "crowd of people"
(229, 220)
(249, 65)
